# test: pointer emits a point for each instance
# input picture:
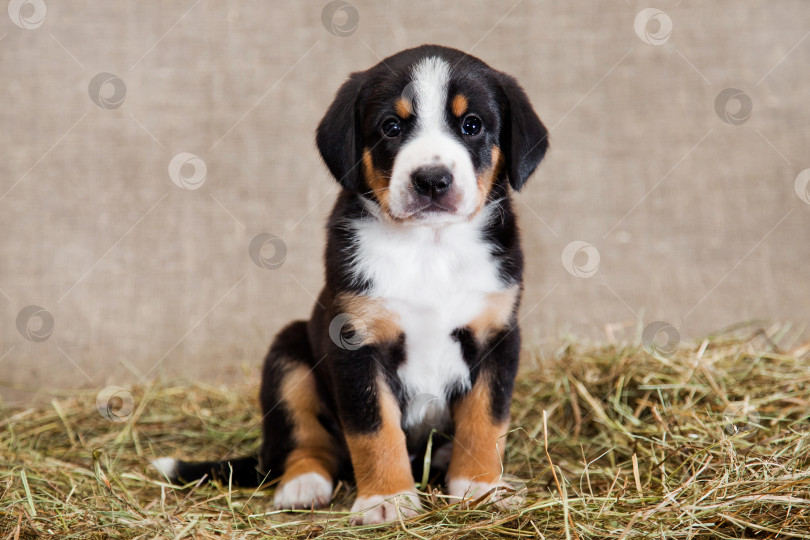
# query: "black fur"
(242, 471)
(524, 136)
(338, 135)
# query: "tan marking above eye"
(459, 105)
(403, 107)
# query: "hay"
(612, 442)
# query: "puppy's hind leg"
(296, 442)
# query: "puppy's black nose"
(431, 181)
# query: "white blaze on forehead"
(430, 79)
(432, 144)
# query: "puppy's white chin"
(437, 218)
(432, 218)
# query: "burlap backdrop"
(687, 194)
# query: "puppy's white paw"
(501, 493)
(384, 508)
(305, 491)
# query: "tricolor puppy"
(416, 327)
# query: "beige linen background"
(690, 197)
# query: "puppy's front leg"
(371, 422)
(481, 419)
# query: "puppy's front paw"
(384, 508)
(500, 493)
(305, 491)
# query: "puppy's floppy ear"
(524, 138)
(339, 137)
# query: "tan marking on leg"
(370, 318)
(459, 105)
(403, 108)
(376, 181)
(487, 178)
(479, 439)
(380, 460)
(496, 315)
(315, 449)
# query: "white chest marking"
(435, 281)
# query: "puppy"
(414, 336)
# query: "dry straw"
(611, 442)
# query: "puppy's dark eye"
(391, 128)
(471, 125)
